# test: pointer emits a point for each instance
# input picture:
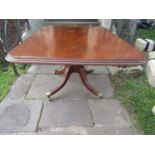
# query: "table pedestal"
(67, 71)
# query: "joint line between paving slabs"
(109, 73)
(30, 85)
(92, 117)
(41, 111)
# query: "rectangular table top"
(75, 46)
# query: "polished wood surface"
(75, 46)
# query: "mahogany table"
(75, 47)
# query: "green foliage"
(146, 33)
(139, 98)
(7, 78)
(136, 94)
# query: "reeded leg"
(84, 80)
(68, 71)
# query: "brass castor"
(49, 96)
(100, 95)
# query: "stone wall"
(106, 23)
(126, 29)
(35, 23)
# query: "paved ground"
(74, 110)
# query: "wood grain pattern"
(75, 46)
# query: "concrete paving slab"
(126, 130)
(6, 103)
(20, 87)
(33, 69)
(43, 69)
(101, 130)
(109, 112)
(104, 130)
(64, 113)
(112, 130)
(99, 69)
(70, 130)
(73, 110)
(112, 70)
(20, 116)
(49, 69)
(42, 84)
(55, 133)
(73, 89)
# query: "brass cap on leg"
(48, 94)
(100, 95)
